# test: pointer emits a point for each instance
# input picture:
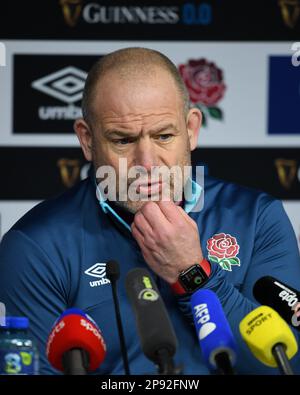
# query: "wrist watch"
(191, 279)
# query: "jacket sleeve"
(31, 285)
(275, 252)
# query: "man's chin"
(134, 207)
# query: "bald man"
(136, 115)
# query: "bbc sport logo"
(2, 54)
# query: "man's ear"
(194, 122)
(85, 138)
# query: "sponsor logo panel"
(205, 83)
(43, 172)
(37, 173)
(171, 20)
(47, 97)
(78, 12)
(284, 96)
(275, 171)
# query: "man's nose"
(145, 154)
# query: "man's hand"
(168, 238)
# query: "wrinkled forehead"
(139, 93)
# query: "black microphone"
(157, 336)
(113, 274)
(281, 297)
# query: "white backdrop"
(245, 103)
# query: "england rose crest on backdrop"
(223, 249)
(204, 81)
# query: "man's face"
(143, 122)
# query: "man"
(135, 107)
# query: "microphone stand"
(281, 359)
(223, 363)
(113, 274)
(75, 362)
(166, 364)
(120, 328)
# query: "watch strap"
(179, 289)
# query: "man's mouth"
(149, 188)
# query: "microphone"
(75, 344)
(215, 336)
(113, 274)
(281, 297)
(269, 338)
(74, 310)
(157, 336)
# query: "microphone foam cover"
(75, 331)
(153, 323)
(262, 329)
(214, 332)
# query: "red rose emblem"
(223, 246)
(223, 249)
(204, 81)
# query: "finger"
(154, 216)
(170, 211)
(186, 216)
(141, 242)
(137, 235)
(142, 224)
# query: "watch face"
(193, 278)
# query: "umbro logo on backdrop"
(53, 90)
(65, 85)
(99, 271)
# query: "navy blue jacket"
(47, 263)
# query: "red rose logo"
(223, 249)
(204, 81)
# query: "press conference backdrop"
(248, 51)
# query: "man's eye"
(122, 141)
(164, 137)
